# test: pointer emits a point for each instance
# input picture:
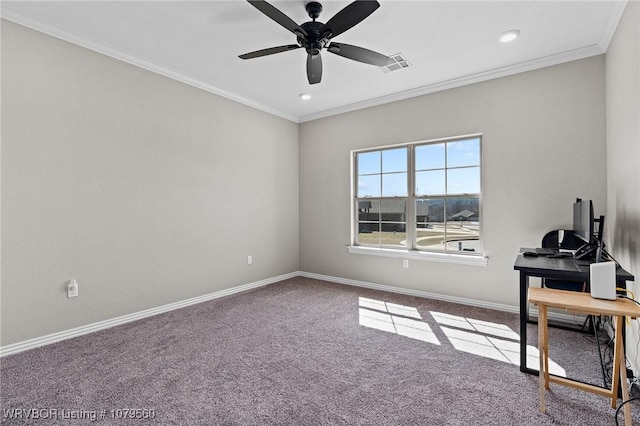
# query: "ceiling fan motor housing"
(315, 40)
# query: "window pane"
(393, 230)
(464, 209)
(393, 216)
(430, 224)
(463, 181)
(393, 211)
(394, 185)
(463, 153)
(393, 238)
(382, 222)
(394, 160)
(369, 234)
(369, 163)
(430, 183)
(368, 186)
(369, 210)
(430, 156)
(463, 228)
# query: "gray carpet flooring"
(305, 352)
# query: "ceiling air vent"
(397, 62)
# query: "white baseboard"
(101, 325)
(418, 293)
(556, 316)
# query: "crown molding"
(612, 24)
(568, 56)
(559, 58)
(73, 38)
(556, 59)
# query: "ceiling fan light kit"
(314, 36)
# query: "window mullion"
(446, 195)
(410, 205)
(380, 201)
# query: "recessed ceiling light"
(509, 36)
(305, 96)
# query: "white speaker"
(602, 276)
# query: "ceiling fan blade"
(351, 15)
(275, 14)
(269, 51)
(314, 68)
(359, 54)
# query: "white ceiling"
(448, 44)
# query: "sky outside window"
(394, 160)
(463, 181)
(463, 153)
(382, 173)
(368, 163)
(430, 157)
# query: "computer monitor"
(583, 220)
(584, 228)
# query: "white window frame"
(413, 251)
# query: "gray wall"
(543, 146)
(145, 190)
(623, 153)
(148, 191)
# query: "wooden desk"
(585, 304)
(565, 269)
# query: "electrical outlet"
(72, 289)
(249, 260)
(405, 263)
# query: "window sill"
(477, 259)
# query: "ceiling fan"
(315, 36)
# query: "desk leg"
(621, 365)
(545, 329)
(543, 377)
(524, 317)
(616, 374)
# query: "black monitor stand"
(593, 250)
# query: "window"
(423, 196)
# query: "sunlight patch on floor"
(485, 327)
(489, 340)
(392, 318)
(482, 338)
